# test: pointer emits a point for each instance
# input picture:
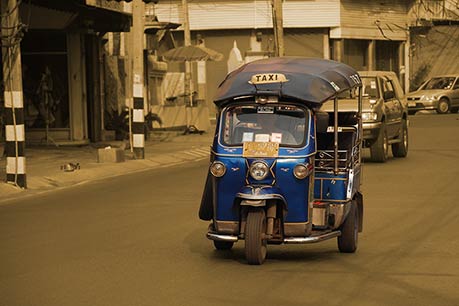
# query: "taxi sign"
(266, 78)
(260, 149)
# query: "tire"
(401, 149)
(223, 245)
(443, 106)
(379, 149)
(348, 241)
(412, 112)
(255, 243)
(454, 110)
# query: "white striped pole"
(138, 118)
(15, 139)
(138, 27)
(13, 97)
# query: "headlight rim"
(306, 166)
(212, 171)
(266, 168)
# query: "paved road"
(136, 240)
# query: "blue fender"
(261, 192)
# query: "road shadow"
(197, 243)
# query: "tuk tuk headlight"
(301, 171)
(259, 170)
(217, 169)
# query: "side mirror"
(389, 95)
(322, 119)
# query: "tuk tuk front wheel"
(223, 245)
(347, 242)
(255, 241)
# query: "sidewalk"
(44, 164)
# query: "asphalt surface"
(45, 163)
(136, 240)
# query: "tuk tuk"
(281, 170)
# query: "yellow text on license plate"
(260, 149)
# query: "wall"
(434, 51)
(298, 42)
(380, 20)
(222, 41)
(240, 14)
(355, 53)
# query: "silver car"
(440, 93)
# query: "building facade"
(368, 35)
(63, 67)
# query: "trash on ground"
(69, 167)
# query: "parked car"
(385, 114)
(440, 93)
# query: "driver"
(269, 125)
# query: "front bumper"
(317, 237)
(371, 130)
(422, 105)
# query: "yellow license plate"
(260, 149)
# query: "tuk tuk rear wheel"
(347, 242)
(255, 241)
(223, 245)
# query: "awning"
(58, 14)
(191, 54)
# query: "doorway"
(93, 88)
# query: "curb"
(97, 172)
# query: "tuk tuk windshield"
(285, 124)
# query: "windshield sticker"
(373, 84)
(265, 110)
(247, 136)
(262, 138)
(266, 78)
(276, 137)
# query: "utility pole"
(278, 26)
(138, 116)
(11, 34)
(187, 88)
(187, 42)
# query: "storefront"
(62, 62)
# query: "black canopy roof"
(310, 80)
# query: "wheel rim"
(356, 227)
(443, 106)
(385, 145)
(405, 138)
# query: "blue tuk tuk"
(281, 170)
